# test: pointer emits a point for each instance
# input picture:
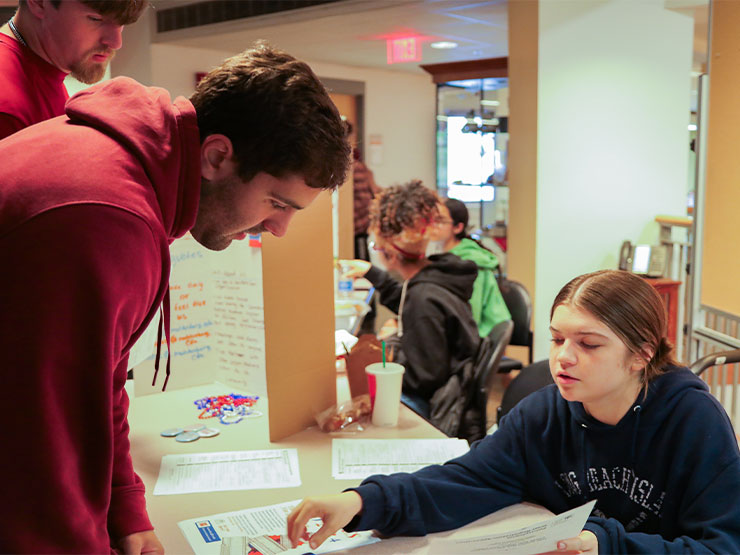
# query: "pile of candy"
(229, 409)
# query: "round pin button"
(171, 432)
(208, 432)
(187, 437)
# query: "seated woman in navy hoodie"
(437, 335)
(622, 425)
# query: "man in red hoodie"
(47, 39)
(88, 207)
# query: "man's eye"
(95, 18)
(279, 206)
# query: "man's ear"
(216, 157)
(38, 8)
(457, 228)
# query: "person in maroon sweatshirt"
(89, 204)
(48, 39)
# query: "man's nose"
(112, 37)
(278, 225)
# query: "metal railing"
(719, 331)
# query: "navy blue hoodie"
(666, 477)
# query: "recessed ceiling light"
(443, 44)
(490, 102)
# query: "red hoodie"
(89, 204)
(31, 89)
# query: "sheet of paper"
(228, 470)
(359, 458)
(537, 538)
(343, 342)
(205, 534)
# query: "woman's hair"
(459, 215)
(402, 215)
(630, 307)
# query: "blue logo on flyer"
(207, 531)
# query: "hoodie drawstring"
(637, 410)
(584, 458)
(400, 308)
(164, 321)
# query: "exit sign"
(406, 49)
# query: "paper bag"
(367, 350)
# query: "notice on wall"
(216, 319)
(240, 317)
(375, 150)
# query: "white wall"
(134, 59)
(399, 107)
(402, 109)
(613, 114)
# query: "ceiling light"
(490, 102)
(443, 44)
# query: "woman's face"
(591, 364)
(442, 228)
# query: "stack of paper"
(354, 459)
(205, 534)
(528, 540)
(228, 470)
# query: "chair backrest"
(715, 359)
(519, 303)
(530, 379)
(496, 341)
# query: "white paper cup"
(384, 386)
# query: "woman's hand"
(354, 268)
(335, 510)
(586, 542)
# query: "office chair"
(497, 341)
(530, 379)
(474, 417)
(715, 359)
(519, 303)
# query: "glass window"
(472, 141)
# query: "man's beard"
(89, 72)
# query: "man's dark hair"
(122, 12)
(277, 115)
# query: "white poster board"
(216, 317)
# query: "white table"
(149, 415)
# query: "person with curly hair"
(436, 335)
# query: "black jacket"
(439, 333)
